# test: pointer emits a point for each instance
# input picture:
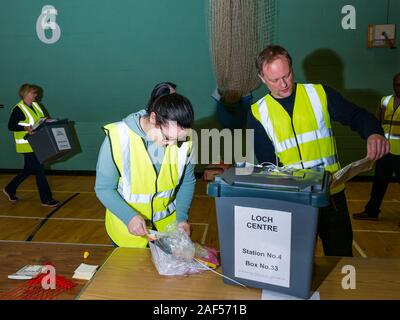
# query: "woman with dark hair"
(159, 90)
(144, 175)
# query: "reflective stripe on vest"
(124, 185)
(138, 180)
(31, 117)
(392, 136)
(323, 130)
(316, 141)
(386, 100)
(391, 124)
(28, 113)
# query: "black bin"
(53, 140)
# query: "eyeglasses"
(177, 140)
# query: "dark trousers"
(384, 169)
(334, 227)
(32, 166)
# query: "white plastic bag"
(173, 253)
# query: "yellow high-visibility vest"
(306, 140)
(149, 194)
(391, 124)
(21, 144)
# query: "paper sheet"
(85, 271)
(351, 170)
(273, 295)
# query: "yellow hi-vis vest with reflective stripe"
(391, 124)
(149, 194)
(22, 145)
(306, 140)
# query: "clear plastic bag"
(173, 253)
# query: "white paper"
(27, 272)
(38, 123)
(61, 138)
(273, 295)
(85, 271)
(350, 171)
(262, 245)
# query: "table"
(129, 274)
(65, 258)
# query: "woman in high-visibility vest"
(389, 115)
(24, 115)
(145, 175)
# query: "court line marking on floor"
(92, 192)
(58, 191)
(203, 238)
(50, 218)
(360, 251)
(58, 243)
(206, 225)
(366, 200)
(376, 231)
(40, 225)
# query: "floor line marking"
(56, 191)
(42, 223)
(79, 219)
(366, 200)
(59, 243)
(203, 239)
(376, 231)
(51, 218)
(360, 251)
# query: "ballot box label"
(61, 138)
(262, 245)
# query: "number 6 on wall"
(47, 20)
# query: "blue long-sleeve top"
(107, 177)
(340, 110)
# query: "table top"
(129, 273)
(64, 257)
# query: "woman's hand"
(137, 226)
(185, 227)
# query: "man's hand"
(377, 147)
(29, 129)
(137, 226)
(185, 227)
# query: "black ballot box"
(53, 140)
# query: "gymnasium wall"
(111, 53)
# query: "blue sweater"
(107, 177)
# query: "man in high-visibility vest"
(388, 114)
(145, 174)
(24, 115)
(293, 127)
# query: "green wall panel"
(111, 53)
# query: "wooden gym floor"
(80, 218)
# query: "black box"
(53, 140)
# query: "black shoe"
(364, 216)
(51, 203)
(10, 197)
